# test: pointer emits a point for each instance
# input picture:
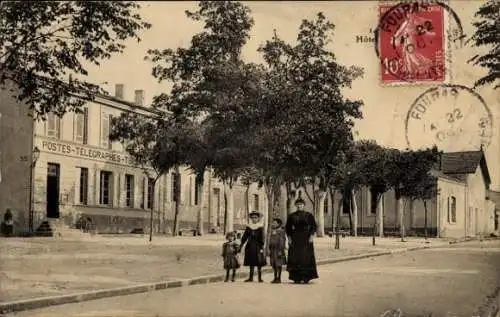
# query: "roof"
(465, 163)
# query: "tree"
(487, 34)
(157, 144)
(305, 108)
(375, 166)
(212, 84)
(419, 183)
(45, 45)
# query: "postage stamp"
(411, 42)
(453, 117)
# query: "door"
(216, 206)
(52, 198)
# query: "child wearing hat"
(253, 240)
(230, 250)
(276, 248)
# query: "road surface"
(450, 281)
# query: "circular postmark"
(453, 117)
(410, 40)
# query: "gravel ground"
(38, 267)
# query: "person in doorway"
(253, 240)
(300, 228)
(276, 248)
(230, 250)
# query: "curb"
(41, 302)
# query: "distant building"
(461, 208)
(81, 176)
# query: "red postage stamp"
(411, 43)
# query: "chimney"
(119, 91)
(139, 98)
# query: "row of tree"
(282, 123)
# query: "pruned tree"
(157, 144)
(419, 182)
(374, 164)
(487, 36)
(45, 45)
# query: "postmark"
(412, 41)
(453, 117)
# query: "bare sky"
(385, 107)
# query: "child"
(276, 248)
(229, 251)
(253, 240)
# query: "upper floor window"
(452, 209)
(105, 130)
(81, 126)
(53, 126)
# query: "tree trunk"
(412, 214)
(380, 214)
(247, 200)
(320, 206)
(332, 198)
(177, 193)
(228, 205)
(291, 195)
(311, 197)
(337, 222)
(210, 216)
(151, 220)
(400, 212)
(199, 188)
(374, 195)
(425, 219)
(354, 214)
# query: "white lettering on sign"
(80, 151)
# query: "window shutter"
(104, 130)
(110, 144)
(97, 187)
(85, 125)
(77, 187)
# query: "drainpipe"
(466, 198)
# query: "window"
(255, 202)
(129, 190)
(105, 130)
(175, 186)
(53, 125)
(105, 197)
(452, 209)
(84, 185)
(81, 126)
(151, 192)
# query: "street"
(450, 281)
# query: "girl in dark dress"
(300, 228)
(276, 248)
(230, 250)
(253, 240)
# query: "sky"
(385, 107)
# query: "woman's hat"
(300, 201)
(254, 214)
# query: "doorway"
(52, 199)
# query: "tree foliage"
(45, 45)
(488, 34)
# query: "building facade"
(80, 175)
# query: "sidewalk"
(38, 267)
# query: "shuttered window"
(53, 125)
(81, 126)
(105, 130)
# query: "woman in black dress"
(300, 228)
(253, 239)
